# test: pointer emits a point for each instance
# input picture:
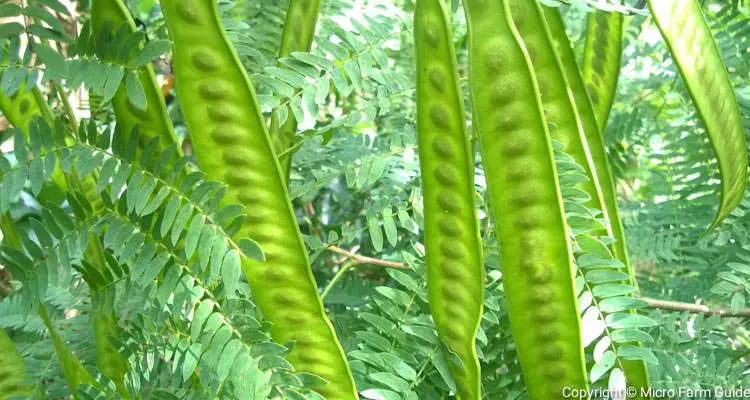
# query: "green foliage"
(187, 320)
(118, 54)
(611, 326)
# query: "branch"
(695, 308)
(653, 303)
(367, 260)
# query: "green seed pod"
(557, 97)
(593, 135)
(525, 194)
(455, 271)
(688, 36)
(299, 28)
(21, 109)
(601, 60)
(12, 369)
(299, 32)
(635, 371)
(236, 149)
(153, 121)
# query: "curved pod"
(693, 49)
(601, 60)
(299, 28)
(21, 109)
(557, 98)
(231, 144)
(635, 370)
(455, 272)
(299, 32)
(154, 121)
(525, 194)
(593, 134)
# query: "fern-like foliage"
(169, 255)
(605, 293)
(100, 61)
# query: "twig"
(367, 260)
(354, 260)
(695, 308)
(336, 278)
(653, 303)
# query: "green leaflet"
(525, 195)
(455, 268)
(693, 49)
(601, 60)
(635, 371)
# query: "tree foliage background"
(356, 189)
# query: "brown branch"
(653, 303)
(695, 308)
(367, 260)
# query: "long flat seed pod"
(558, 101)
(231, 144)
(153, 121)
(601, 60)
(684, 28)
(22, 110)
(527, 206)
(635, 371)
(298, 35)
(593, 135)
(455, 271)
(12, 369)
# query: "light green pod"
(231, 144)
(601, 60)
(593, 135)
(299, 28)
(635, 371)
(12, 369)
(20, 110)
(23, 107)
(525, 195)
(455, 271)
(558, 102)
(154, 121)
(693, 49)
(299, 32)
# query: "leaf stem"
(340, 274)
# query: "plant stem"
(340, 274)
(695, 308)
(66, 105)
(358, 259)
